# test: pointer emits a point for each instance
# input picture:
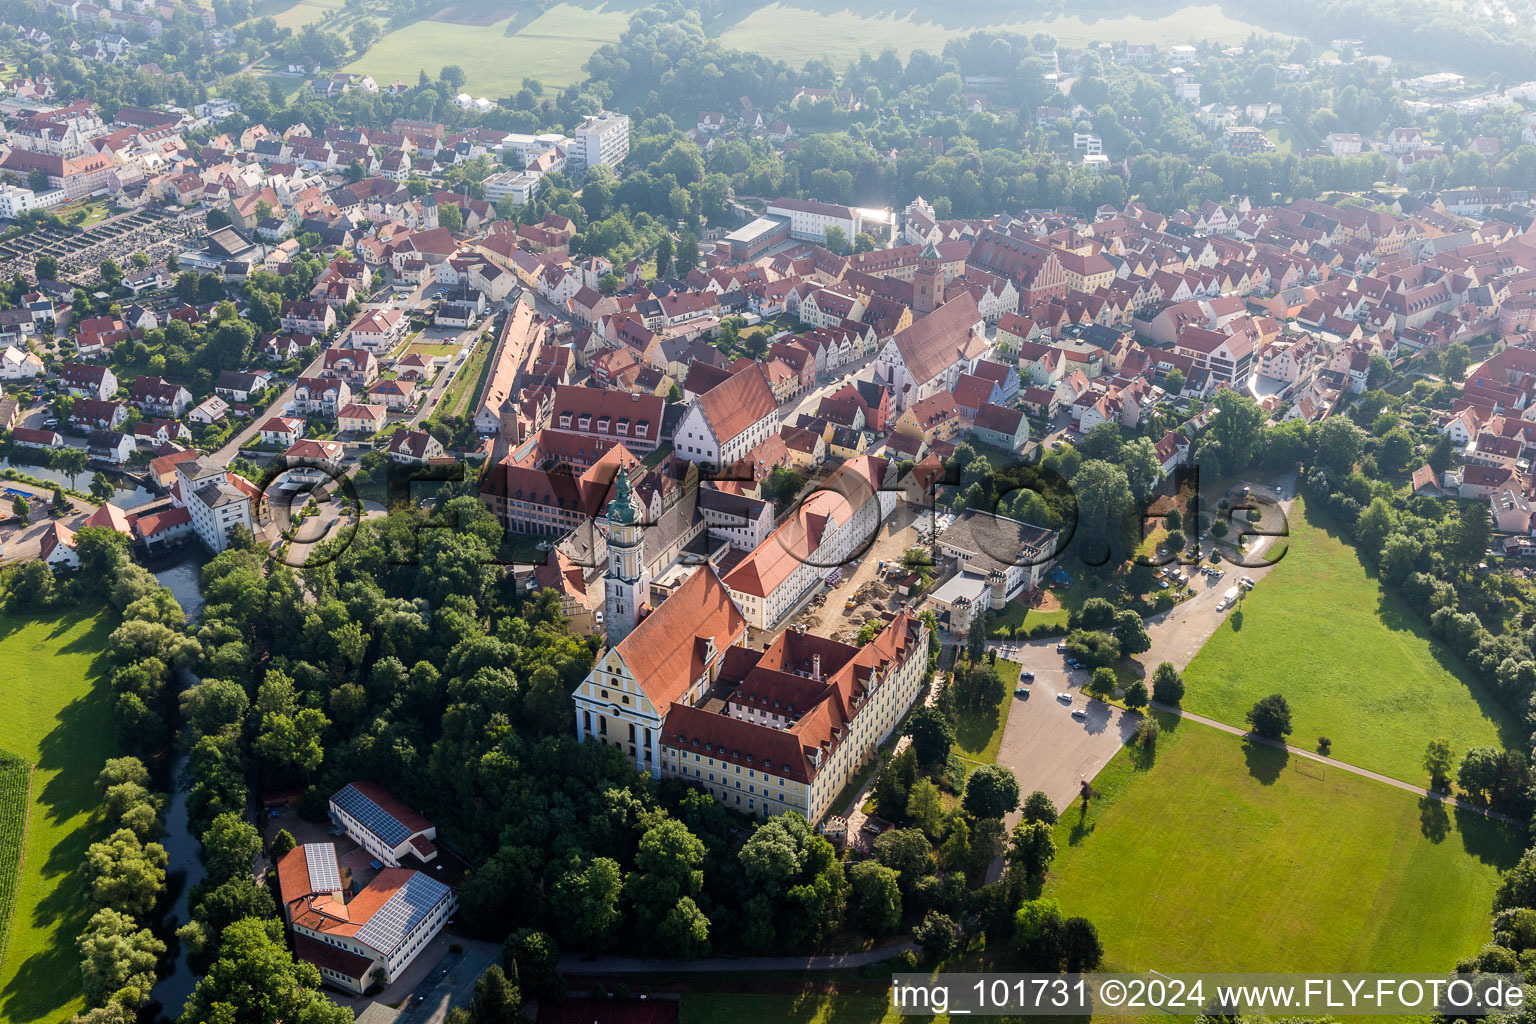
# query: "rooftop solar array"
(392, 922)
(372, 817)
(324, 873)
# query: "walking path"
(1364, 773)
(575, 964)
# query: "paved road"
(573, 964)
(1341, 765)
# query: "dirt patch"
(472, 14)
(1046, 602)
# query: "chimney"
(816, 667)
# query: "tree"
(534, 960)
(664, 257)
(938, 936)
(589, 895)
(364, 34)
(1167, 685)
(117, 959)
(1173, 382)
(1104, 503)
(925, 807)
(932, 735)
(453, 76)
(125, 873)
(1236, 425)
(1136, 695)
(1130, 633)
(101, 489)
(282, 843)
(1103, 682)
(685, 930)
(687, 255)
(1039, 807)
(21, 508)
(47, 268)
(1032, 848)
(1081, 948)
(837, 241)
(230, 847)
(1337, 443)
(255, 978)
(668, 867)
(875, 904)
(1455, 360)
(450, 216)
(497, 1000)
(1271, 717)
(905, 851)
(1438, 761)
(991, 791)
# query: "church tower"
(928, 282)
(628, 584)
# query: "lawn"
(1285, 139)
(1220, 856)
(978, 733)
(431, 350)
(460, 395)
(56, 713)
(1355, 662)
(551, 46)
(798, 30)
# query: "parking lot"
(1044, 744)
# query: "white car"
(1079, 713)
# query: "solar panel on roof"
(371, 816)
(392, 922)
(324, 874)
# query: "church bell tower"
(628, 584)
(928, 282)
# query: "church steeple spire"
(627, 585)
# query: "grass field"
(1220, 856)
(496, 57)
(978, 734)
(797, 30)
(56, 712)
(1354, 662)
(295, 14)
(459, 398)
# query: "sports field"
(1220, 856)
(55, 711)
(1354, 662)
(496, 56)
(798, 30)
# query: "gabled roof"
(666, 652)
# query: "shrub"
(1324, 744)
(1148, 732)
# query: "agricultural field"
(295, 14)
(1218, 855)
(56, 713)
(497, 55)
(799, 30)
(1356, 664)
(15, 777)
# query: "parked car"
(1061, 648)
(1079, 714)
(1022, 693)
(1027, 675)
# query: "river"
(185, 852)
(125, 497)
